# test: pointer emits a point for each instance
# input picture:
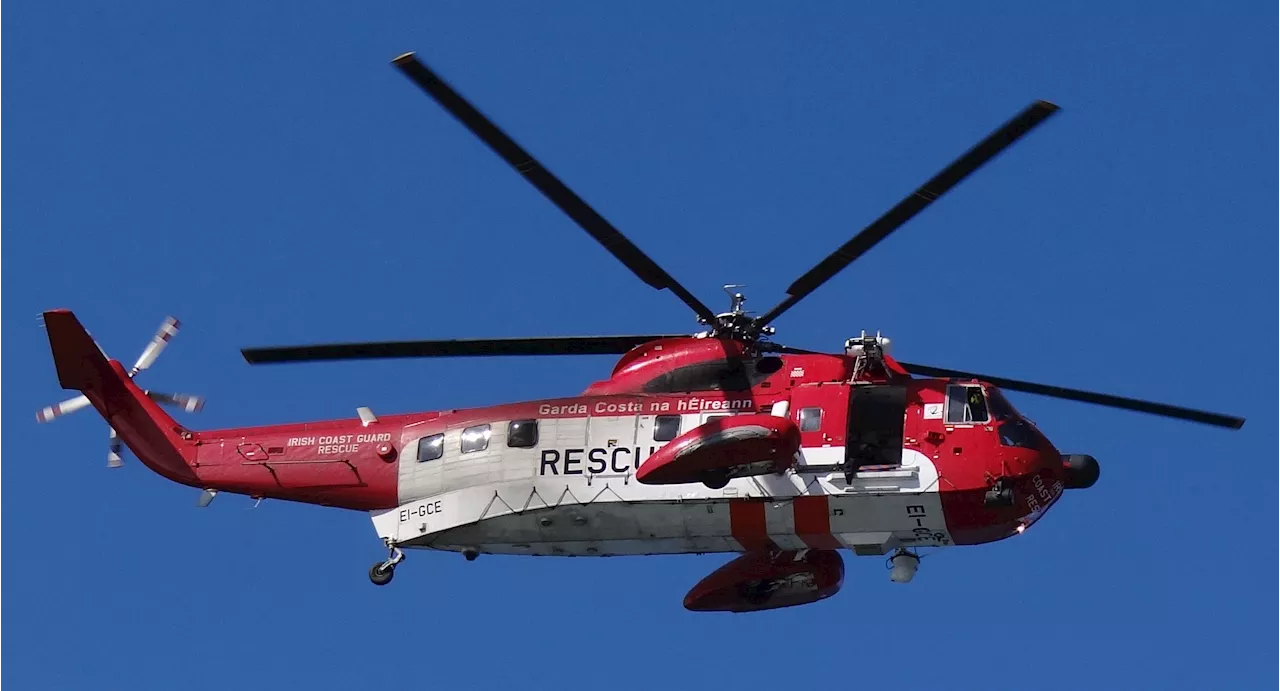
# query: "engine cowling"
(758, 581)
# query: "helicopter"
(718, 441)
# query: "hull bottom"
(867, 525)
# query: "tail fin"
(157, 440)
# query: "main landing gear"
(382, 572)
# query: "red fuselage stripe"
(747, 523)
(813, 522)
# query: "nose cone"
(1081, 471)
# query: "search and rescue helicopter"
(720, 441)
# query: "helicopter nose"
(1080, 470)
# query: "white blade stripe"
(186, 401)
(70, 405)
(114, 458)
(168, 329)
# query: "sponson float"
(718, 442)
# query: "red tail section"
(341, 463)
(159, 442)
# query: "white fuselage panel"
(575, 493)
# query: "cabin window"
(966, 405)
(810, 419)
(430, 448)
(522, 434)
(475, 438)
(666, 427)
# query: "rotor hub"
(737, 323)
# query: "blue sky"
(261, 172)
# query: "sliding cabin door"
(877, 414)
(821, 412)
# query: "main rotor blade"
(570, 203)
(1134, 404)
(561, 345)
(906, 209)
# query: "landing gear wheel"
(715, 479)
(381, 574)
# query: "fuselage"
(883, 463)
(691, 445)
(483, 480)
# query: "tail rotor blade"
(188, 402)
(168, 329)
(115, 458)
(70, 405)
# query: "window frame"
(439, 444)
(510, 433)
(657, 425)
(800, 419)
(946, 413)
(462, 438)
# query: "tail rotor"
(115, 450)
(182, 401)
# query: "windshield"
(1013, 429)
(1000, 408)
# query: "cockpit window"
(966, 405)
(1000, 408)
(1018, 433)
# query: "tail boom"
(254, 461)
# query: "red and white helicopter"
(722, 441)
